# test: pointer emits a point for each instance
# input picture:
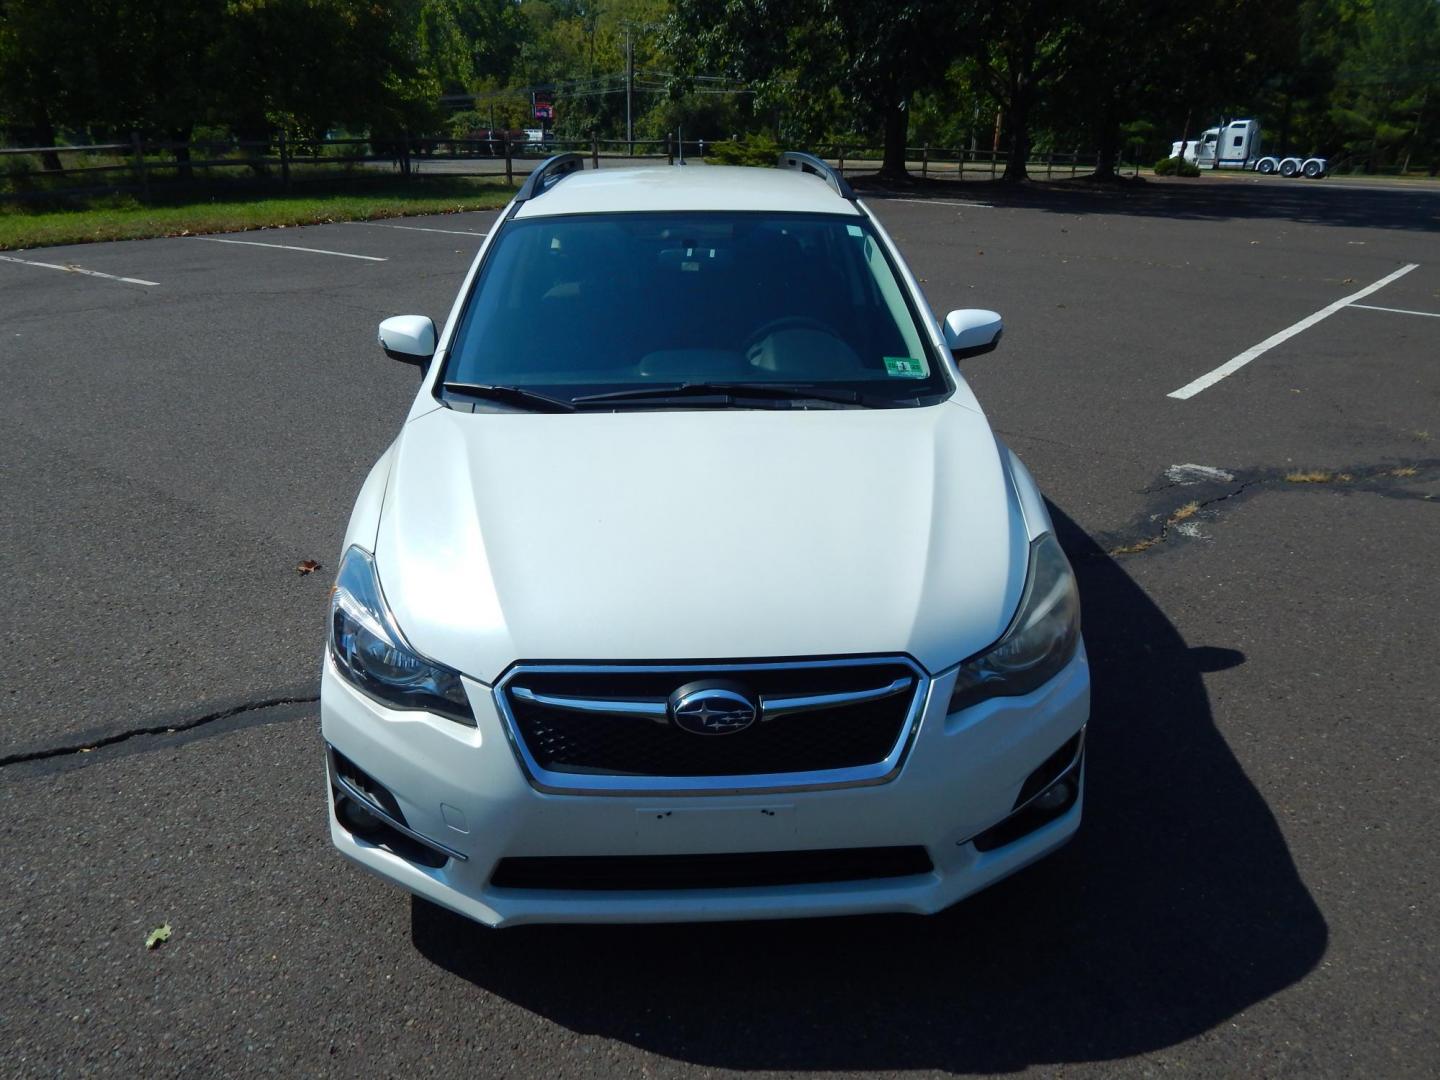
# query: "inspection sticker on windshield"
(906, 367)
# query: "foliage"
(821, 63)
(164, 68)
(758, 149)
(1356, 80)
(1175, 166)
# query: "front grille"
(571, 742)
(601, 873)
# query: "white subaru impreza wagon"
(696, 584)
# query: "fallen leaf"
(157, 936)
(309, 566)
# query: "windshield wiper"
(511, 395)
(728, 391)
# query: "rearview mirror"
(410, 338)
(973, 331)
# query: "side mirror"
(973, 331)
(409, 338)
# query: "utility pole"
(629, 93)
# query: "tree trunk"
(897, 128)
(1018, 117)
(1109, 141)
(1020, 89)
(252, 131)
(181, 137)
(44, 134)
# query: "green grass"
(125, 218)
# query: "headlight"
(371, 652)
(1041, 639)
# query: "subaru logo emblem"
(712, 708)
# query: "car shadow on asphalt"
(1177, 906)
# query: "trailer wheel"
(1289, 167)
(1266, 166)
(1313, 169)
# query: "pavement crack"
(1178, 516)
(1388, 480)
(172, 727)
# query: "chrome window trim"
(556, 783)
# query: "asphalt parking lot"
(1253, 891)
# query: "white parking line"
(78, 270)
(1231, 366)
(415, 228)
(291, 247)
(1185, 475)
(1399, 310)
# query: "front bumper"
(463, 789)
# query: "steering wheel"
(787, 322)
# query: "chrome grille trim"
(774, 708)
(557, 783)
(771, 708)
(645, 710)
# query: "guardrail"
(947, 162)
(144, 166)
(47, 172)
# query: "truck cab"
(1231, 146)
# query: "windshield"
(596, 305)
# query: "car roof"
(691, 187)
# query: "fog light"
(1055, 796)
(1053, 802)
(356, 818)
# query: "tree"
(823, 59)
(1388, 88)
(1173, 68)
(45, 79)
(158, 70)
(1022, 47)
(463, 41)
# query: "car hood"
(700, 534)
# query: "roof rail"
(547, 173)
(793, 159)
